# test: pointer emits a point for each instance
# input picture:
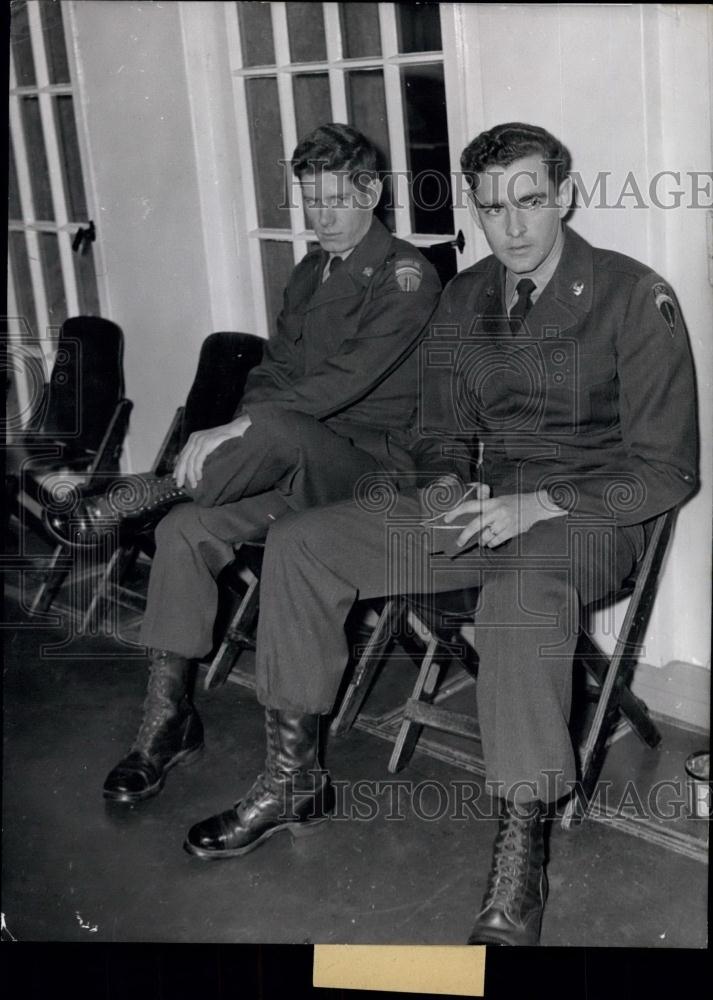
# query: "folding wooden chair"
(440, 620)
(223, 365)
(76, 434)
(614, 675)
(106, 461)
(240, 633)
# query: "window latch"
(458, 242)
(83, 237)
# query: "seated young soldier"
(542, 349)
(331, 401)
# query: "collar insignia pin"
(577, 287)
(367, 272)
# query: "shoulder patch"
(665, 305)
(409, 274)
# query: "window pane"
(267, 153)
(305, 26)
(21, 46)
(256, 34)
(419, 27)
(22, 284)
(53, 32)
(69, 156)
(444, 259)
(86, 282)
(13, 193)
(424, 97)
(52, 271)
(277, 264)
(37, 158)
(366, 102)
(313, 106)
(360, 30)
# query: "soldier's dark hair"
(504, 144)
(336, 147)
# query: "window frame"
(63, 226)
(336, 67)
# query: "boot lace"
(263, 785)
(268, 783)
(509, 864)
(158, 708)
(160, 489)
(135, 493)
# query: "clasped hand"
(189, 467)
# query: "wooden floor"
(399, 864)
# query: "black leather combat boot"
(517, 886)
(293, 793)
(170, 733)
(140, 499)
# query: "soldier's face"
(520, 212)
(339, 210)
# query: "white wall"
(154, 276)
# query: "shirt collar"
(369, 255)
(541, 275)
(344, 255)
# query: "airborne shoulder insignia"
(665, 305)
(409, 275)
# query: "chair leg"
(374, 652)
(593, 752)
(637, 714)
(632, 708)
(119, 565)
(616, 677)
(237, 637)
(50, 586)
(423, 691)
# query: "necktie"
(334, 264)
(525, 287)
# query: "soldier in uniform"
(330, 402)
(541, 356)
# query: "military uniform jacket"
(344, 348)
(594, 400)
